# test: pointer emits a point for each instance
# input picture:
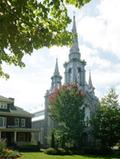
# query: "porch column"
(32, 136)
(0, 134)
(39, 136)
(15, 136)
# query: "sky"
(98, 28)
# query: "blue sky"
(98, 28)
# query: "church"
(74, 73)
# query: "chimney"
(12, 99)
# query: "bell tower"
(75, 67)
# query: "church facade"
(74, 73)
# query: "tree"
(66, 110)
(110, 100)
(106, 122)
(32, 24)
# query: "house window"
(17, 122)
(3, 105)
(22, 122)
(2, 122)
(21, 137)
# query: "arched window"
(87, 116)
(85, 139)
(70, 74)
(79, 69)
(69, 71)
(79, 74)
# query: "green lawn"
(39, 155)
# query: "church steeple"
(74, 50)
(75, 67)
(56, 78)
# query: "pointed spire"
(75, 39)
(74, 50)
(74, 30)
(90, 80)
(56, 68)
(56, 78)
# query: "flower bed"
(6, 153)
(9, 154)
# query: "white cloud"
(93, 60)
(103, 30)
(28, 85)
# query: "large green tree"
(106, 122)
(66, 110)
(31, 24)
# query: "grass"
(39, 155)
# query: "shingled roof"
(13, 110)
(20, 112)
(4, 99)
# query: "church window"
(79, 69)
(79, 74)
(87, 116)
(87, 122)
(69, 71)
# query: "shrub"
(61, 151)
(2, 145)
(95, 150)
(28, 148)
(8, 153)
(51, 151)
(58, 151)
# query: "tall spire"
(56, 72)
(90, 81)
(56, 78)
(74, 50)
(74, 30)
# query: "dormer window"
(3, 105)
